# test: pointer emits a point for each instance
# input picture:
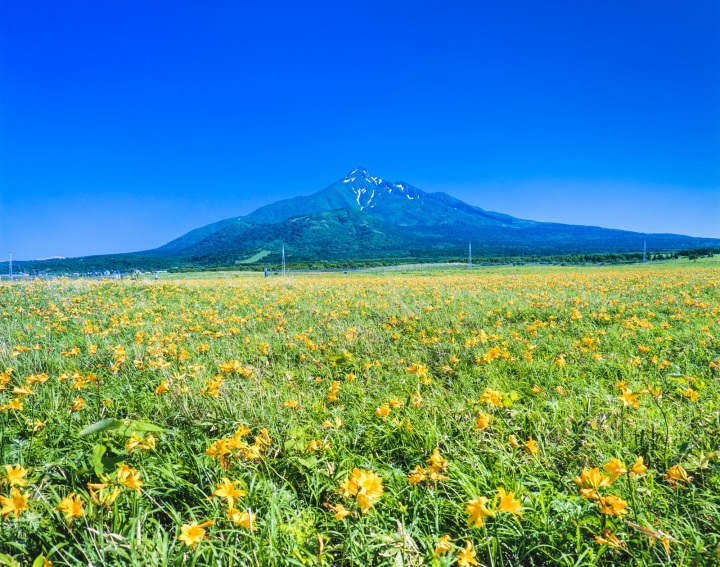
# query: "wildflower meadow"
(497, 418)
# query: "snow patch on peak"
(361, 174)
(358, 194)
(368, 190)
(361, 171)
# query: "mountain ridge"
(396, 218)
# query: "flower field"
(486, 418)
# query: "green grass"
(503, 328)
(255, 257)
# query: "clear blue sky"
(125, 124)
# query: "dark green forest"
(127, 263)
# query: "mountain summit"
(367, 187)
(397, 203)
(357, 190)
(364, 216)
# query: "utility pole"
(283, 259)
(644, 250)
(11, 274)
(469, 255)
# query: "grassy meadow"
(535, 416)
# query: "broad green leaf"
(109, 463)
(96, 459)
(145, 426)
(308, 463)
(107, 424)
(291, 444)
(296, 431)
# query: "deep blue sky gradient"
(125, 124)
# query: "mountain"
(364, 216)
(398, 204)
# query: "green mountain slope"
(341, 233)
